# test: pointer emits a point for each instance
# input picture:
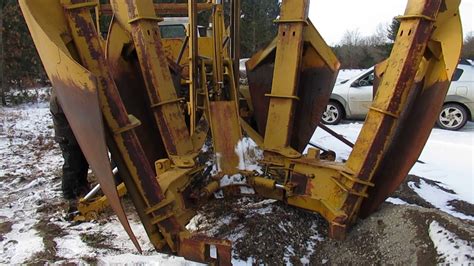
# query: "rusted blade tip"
(126, 225)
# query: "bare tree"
(379, 37)
(468, 48)
(351, 50)
(351, 38)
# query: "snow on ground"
(397, 201)
(132, 259)
(438, 198)
(30, 163)
(249, 155)
(22, 130)
(450, 248)
(448, 158)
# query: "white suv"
(351, 99)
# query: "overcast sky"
(333, 17)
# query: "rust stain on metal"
(300, 183)
(118, 113)
(260, 83)
(413, 132)
(226, 134)
(378, 145)
(159, 85)
(126, 75)
(197, 248)
(314, 91)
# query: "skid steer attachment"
(152, 102)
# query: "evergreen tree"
(257, 27)
(392, 30)
(20, 64)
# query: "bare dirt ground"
(33, 228)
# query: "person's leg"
(75, 167)
(74, 171)
(70, 173)
(83, 166)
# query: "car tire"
(333, 114)
(452, 117)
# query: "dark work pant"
(74, 179)
(75, 167)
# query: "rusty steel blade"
(412, 134)
(77, 92)
(424, 104)
(82, 109)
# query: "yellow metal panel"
(286, 77)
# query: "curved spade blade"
(82, 109)
(77, 92)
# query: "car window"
(367, 80)
(172, 31)
(457, 74)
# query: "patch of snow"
(28, 163)
(35, 183)
(236, 179)
(250, 262)
(246, 190)
(260, 204)
(71, 246)
(397, 201)
(121, 241)
(132, 260)
(205, 148)
(216, 167)
(219, 194)
(449, 158)
(249, 155)
(311, 244)
(349, 131)
(21, 243)
(437, 198)
(193, 224)
(450, 247)
(289, 252)
(265, 210)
